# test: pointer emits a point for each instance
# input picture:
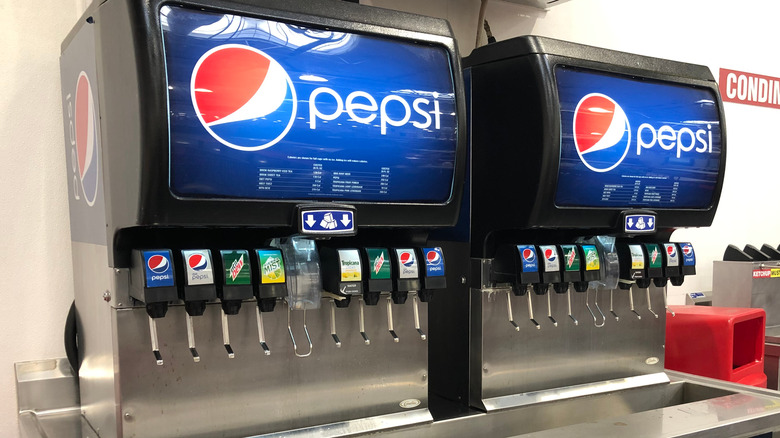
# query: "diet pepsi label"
(632, 143)
(407, 263)
(305, 113)
(434, 262)
(159, 268)
(672, 256)
(639, 223)
(197, 263)
(688, 256)
(552, 260)
(528, 257)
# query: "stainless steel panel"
(254, 393)
(733, 285)
(97, 381)
(45, 385)
(515, 362)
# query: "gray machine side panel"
(119, 99)
(85, 179)
(254, 393)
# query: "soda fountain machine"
(252, 186)
(583, 162)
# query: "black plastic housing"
(132, 93)
(516, 137)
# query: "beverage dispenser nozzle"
(551, 274)
(378, 278)
(270, 285)
(153, 282)
(571, 275)
(199, 287)
(632, 271)
(236, 286)
(518, 264)
(342, 278)
(406, 275)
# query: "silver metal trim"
(516, 400)
(357, 427)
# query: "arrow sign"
(327, 221)
(639, 223)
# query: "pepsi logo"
(433, 257)
(671, 251)
(243, 97)
(158, 264)
(86, 139)
(197, 262)
(687, 250)
(529, 256)
(407, 259)
(549, 254)
(602, 133)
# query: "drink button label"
(271, 266)
(159, 268)
(529, 259)
(236, 264)
(592, 260)
(689, 257)
(552, 261)
(571, 259)
(198, 266)
(672, 256)
(434, 262)
(653, 255)
(349, 260)
(378, 263)
(407, 263)
(637, 257)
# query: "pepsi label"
(407, 263)
(530, 262)
(434, 262)
(689, 257)
(552, 260)
(304, 113)
(672, 257)
(159, 268)
(198, 266)
(629, 143)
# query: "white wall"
(35, 272)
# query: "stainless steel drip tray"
(687, 406)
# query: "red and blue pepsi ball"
(87, 139)
(243, 97)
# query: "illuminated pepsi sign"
(628, 142)
(266, 110)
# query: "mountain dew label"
(653, 255)
(571, 260)
(379, 263)
(271, 266)
(236, 265)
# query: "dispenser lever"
(595, 304)
(650, 304)
(305, 330)
(191, 338)
(666, 306)
(631, 303)
(509, 311)
(261, 332)
(155, 344)
(390, 327)
(362, 321)
(611, 308)
(333, 323)
(568, 304)
(549, 310)
(531, 311)
(416, 308)
(226, 335)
